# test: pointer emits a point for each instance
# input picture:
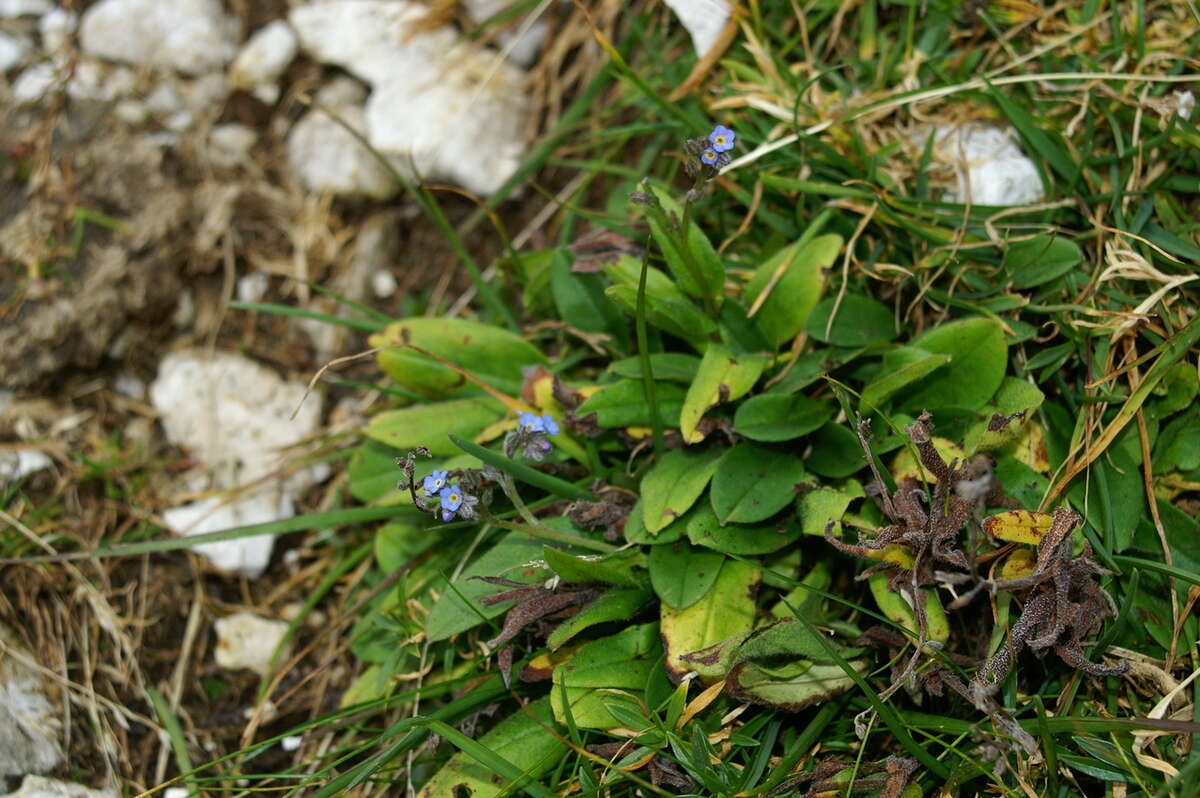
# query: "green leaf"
(723, 377)
(1014, 396)
(705, 258)
(623, 404)
(1178, 388)
(787, 640)
(859, 321)
(459, 609)
(682, 573)
(1111, 497)
(398, 542)
(836, 452)
(703, 529)
(671, 366)
(792, 688)
(1040, 260)
(794, 295)
(673, 485)
(373, 474)
(780, 417)
(493, 354)
(979, 357)
(725, 610)
(612, 569)
(520, 740)
(635, 528)
(667, 307)
(753, 482)
(820, 506)
(619, 604)
(901, 368)
(431, 425)
(579, 297)
(1178, 447)
(620, 662)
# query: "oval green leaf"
(778, 417)
(794, 293)
(493, 354)
(725, 610)
(623, 404)
(1040, 260)
(901, 367)
(978, 359)
(429, 425)
(704, 529)
(674, 484)
(754, 482)
(682, 573)
(859, 321)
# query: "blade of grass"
(170, 722)
(888, 715)
(354, 515)
(530, 476)
(284, 310)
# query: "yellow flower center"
(719, 140)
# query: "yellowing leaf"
(722, 377)
(906, 466)
(1020, 563)
(1018, 526)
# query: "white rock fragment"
(264, 57)
(130, 385)
(522, 41)
(327, 157)
(21, 463)
(230, 144)
(38, 787)
(235, 418)
(292, 743)
(440, 109)
(28, 724)
(383, 284)
(13, 51)
(989, 166)
(249, 556)
(32, 85)
(176, 792)
(1185, 103)
(11, 9)
(244, 640)
(57, 28)
(703, 19)
(252, 287)
(191, 36)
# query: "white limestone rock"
(38, 787)
(327, 157)
(988, 164)
(57, 28)
(703, 19)
(29, 725)
(244, 640)
(20, 463)
(235, 418)
(35, 83)
(191, 36)
(11, 9)
(440, 109)
(229, 145)
(249, 556)
(13, 51)
(264, 57)
(521, 41)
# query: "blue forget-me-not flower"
(722, 138)
(434, 483)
